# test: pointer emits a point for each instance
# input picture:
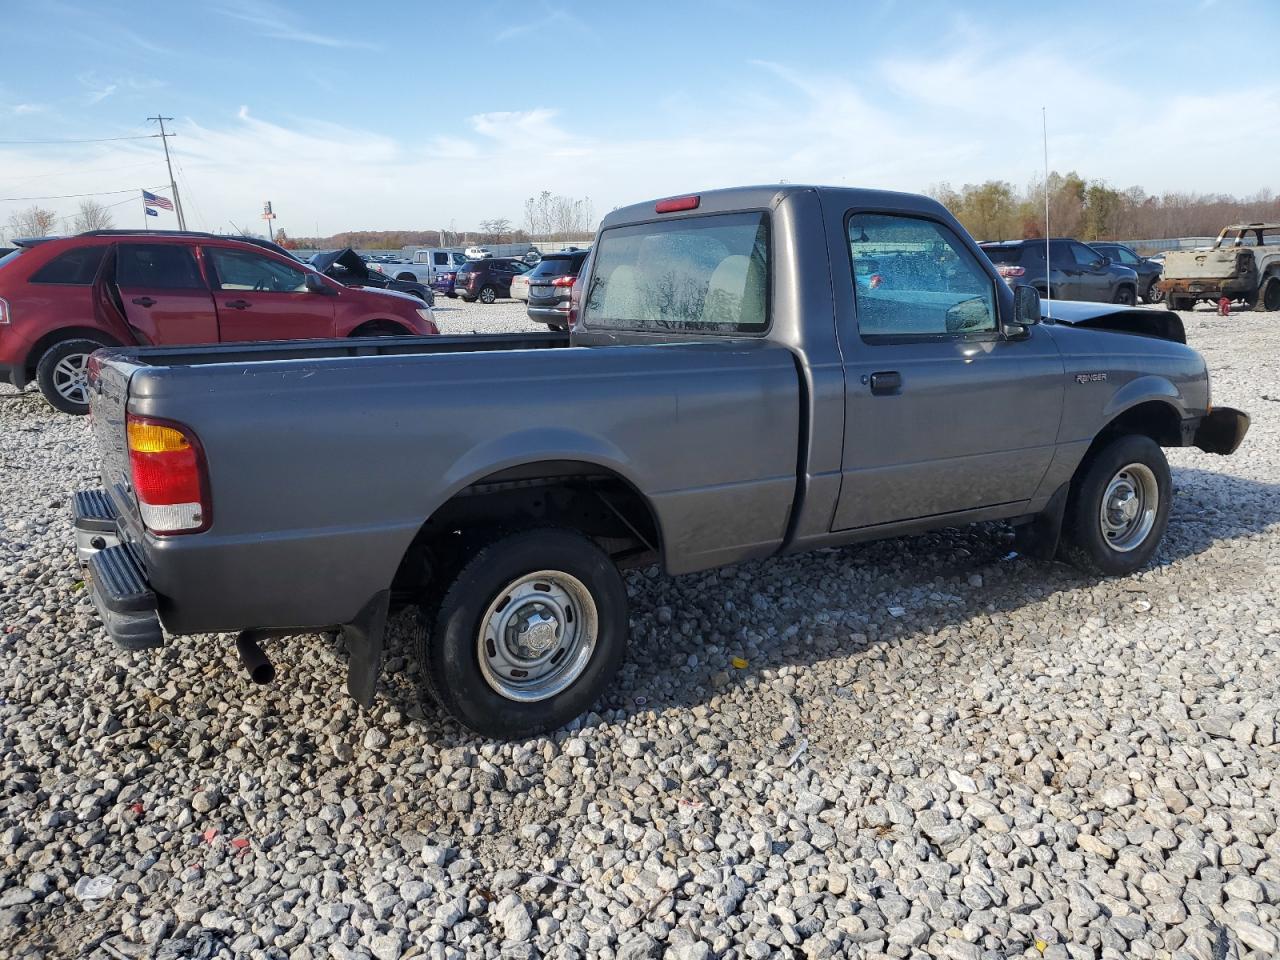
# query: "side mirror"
(1026, 308)
(314, 284)
(1106, 261)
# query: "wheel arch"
(586, 490)
(54, 337)
(367, 328)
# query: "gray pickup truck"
(750, 372)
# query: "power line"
(144, 136)
(74, 196)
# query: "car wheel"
(1126, 296)
(488, 295)
(62, 374)
(527, 635)
(1118, 507)
(1154, 294)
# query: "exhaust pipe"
(255, 661)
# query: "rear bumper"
(1209, 287)
(550, 314)
(117, 581)
(1221, 430)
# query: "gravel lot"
(936, 748)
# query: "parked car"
(487, 280)
(1079, 272)
(520, 286)
(425, 265)
(444, 283)
(62, 298)
(478, 253)
(347, 267)
(729, 394)
(550, 286)
(1240, 265)
(1147, 268)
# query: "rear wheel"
(1118, 507)
(1126, 296)
(1270, 296)
(1177, 303)
(62, 374)
(488, 295)
(527, 634)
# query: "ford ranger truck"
(1241, 265)
(730, 390)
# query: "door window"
(913, 278)
(1062, 256)
(1084, 256)
(157, 266)
(241, 270)
(440, 259)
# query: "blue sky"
(421, 115)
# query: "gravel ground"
(930, 747)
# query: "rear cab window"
(76, 267)
(702, 274)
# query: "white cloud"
(279, 23)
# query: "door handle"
(144, 301)
(237, 304)
(887, 381)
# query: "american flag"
(164, 203)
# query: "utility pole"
(173, 184)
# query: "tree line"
(36, 221)
(1093, 210)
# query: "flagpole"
(145, 225)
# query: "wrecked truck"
(731, 388)
(1240, 266)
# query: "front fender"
(1144, 389)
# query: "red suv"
(61, 298)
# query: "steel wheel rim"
(537, 636)
(1130, 502)
(71, 377)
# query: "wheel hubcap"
(71, 378)
(1129, 507)
(537, 636)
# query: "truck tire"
(488, 294)
(1269, 296)
(1178, 303)
(1126, 296)
(527, 634)
(1118, 507)
(62, 374)
(1154, 293)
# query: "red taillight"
(168, 469)
(677, 203)
(563, 281)
(4, 311)
(1008, 271)
(875, 280)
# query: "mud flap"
(1221, 430)
(1039, 538)
(364, 638)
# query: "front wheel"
(1126, 296)
(1118, 507)
(63, 375)
(488, 295)
(1154, 294)
(527, 635)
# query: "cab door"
(1092, 274)
(163, 295)
(943, 412)
(261, 297)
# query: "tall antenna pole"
(1048, 290)
(173, 184)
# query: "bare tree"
(92, 215)
(495, 230)
(550, 216)
(32, 222)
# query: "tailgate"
(108, 402)
(1201, 265)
